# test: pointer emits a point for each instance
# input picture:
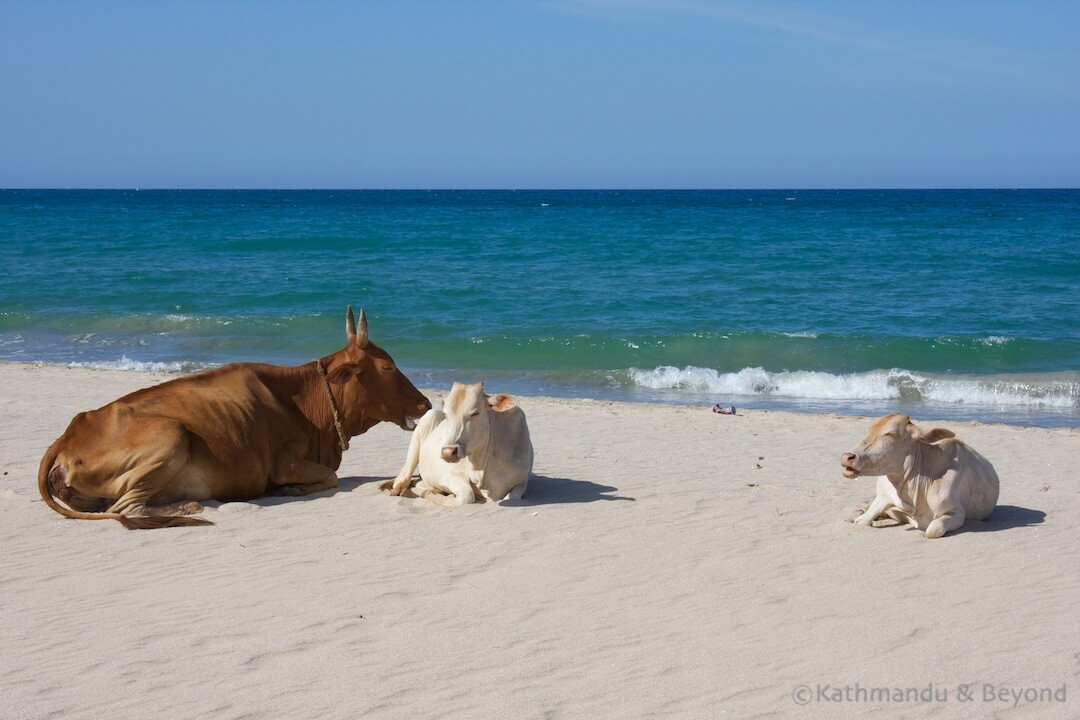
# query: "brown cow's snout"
(419, 409)
(451, 454)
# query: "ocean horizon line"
(771, 188)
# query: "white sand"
(667, 562)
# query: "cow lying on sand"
(476, 443)
(232, 433)
(930, 480)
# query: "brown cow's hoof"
(289, 491)
(190, 508)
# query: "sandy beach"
(667, 562)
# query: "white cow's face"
(887, 445)
(467, 420)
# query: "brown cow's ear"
(932, 436)
(343, 372)
(501, 402)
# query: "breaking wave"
(125, 363)
(879, 385)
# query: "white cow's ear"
(932, 436)
(501, 402)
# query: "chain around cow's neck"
(342, 437)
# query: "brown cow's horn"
(350, 325)
(361, 331)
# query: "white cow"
(929, 480)
(476, 443)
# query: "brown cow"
(231, 433)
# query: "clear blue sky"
(539, 93)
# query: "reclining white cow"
(930, 481)
(474, 444)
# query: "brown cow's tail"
(153, 522)
(47, 469)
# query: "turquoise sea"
(941, 303)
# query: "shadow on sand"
(1007, 517)
(345, 485)
(1004, 517)
(544, 490)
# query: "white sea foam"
(875, 385)
(1060, 394)
(125, 363)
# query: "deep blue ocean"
(943, 304)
